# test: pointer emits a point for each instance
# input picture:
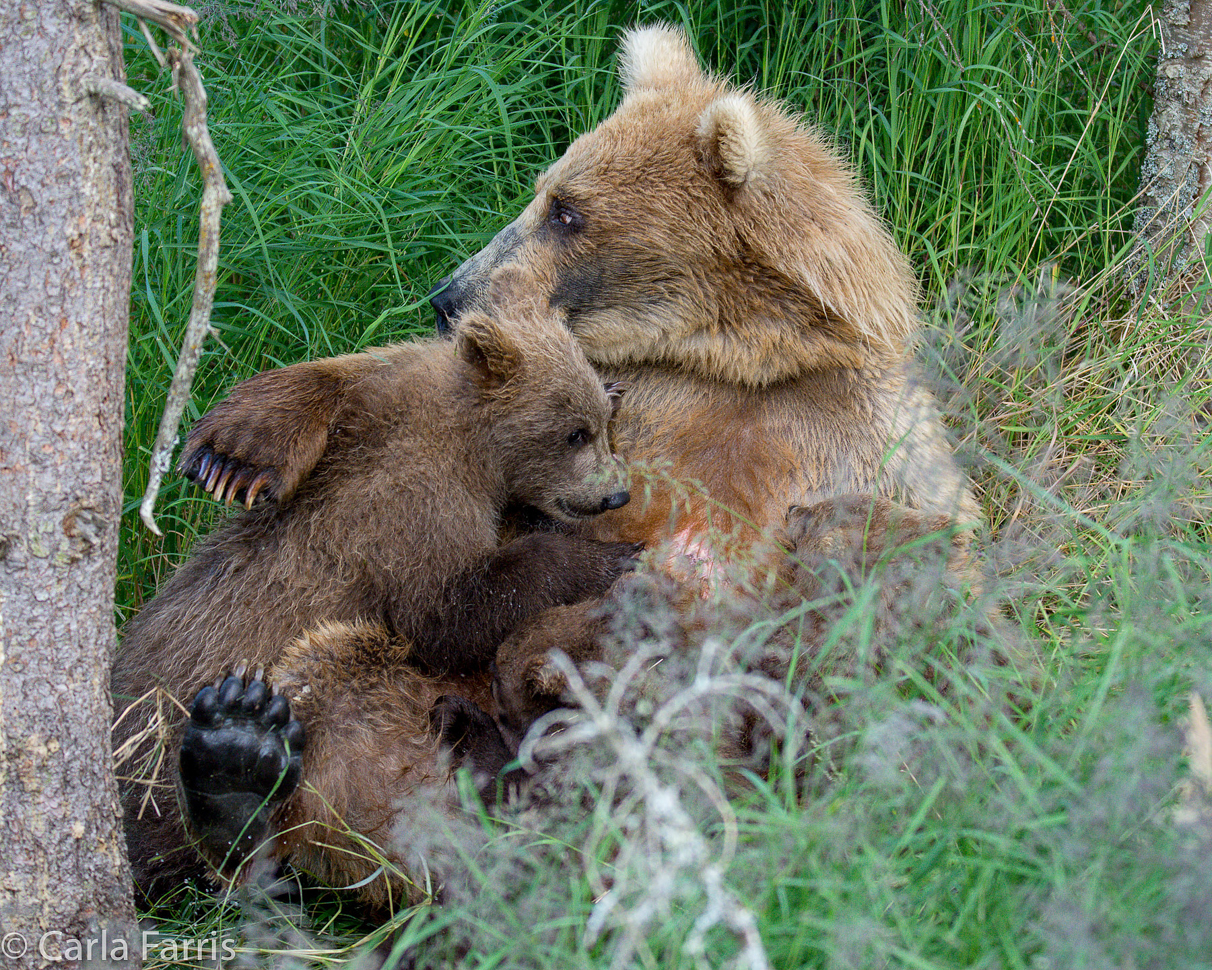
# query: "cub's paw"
(621, 558)
(861, 537)
(570, 568)
(267, 436)
(861, 526)
(229, 479)
(592, 567)
(471, 739)
(599, 564)
(241, 754)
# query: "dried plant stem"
(178, 22)
(175, 21)
(666, 853)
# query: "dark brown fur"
(378, 555)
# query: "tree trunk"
(65, 260)
(1174, 216)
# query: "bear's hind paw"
(241, 754)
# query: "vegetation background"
(372, 145)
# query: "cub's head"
(544, 411)
(702, 228)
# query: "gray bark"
(65, 260)
(1174, 217)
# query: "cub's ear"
(614, 394)
(733, 141)
(657, 57)
(493, 356)
(543, 679)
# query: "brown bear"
(370, 589)
(850, 576)
(712, 251)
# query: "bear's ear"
(492, 356)
(656, 57)
(614, 394)
(733, 140)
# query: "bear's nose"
(616, 501)
(442, 299)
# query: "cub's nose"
(445, 306)
(616, 501)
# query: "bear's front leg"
(241, 755)
(507, 587)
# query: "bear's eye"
(579, 438)
(565, 216)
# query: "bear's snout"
(443, 298)
(616, 501)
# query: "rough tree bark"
(65, 260)
(1174, 218)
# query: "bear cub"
(367, 582)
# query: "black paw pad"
(242, 753)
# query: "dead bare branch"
(178, 22)
(107, 87)
(215, 195)
(175, 20)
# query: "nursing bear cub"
(369, 587)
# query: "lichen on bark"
(1174, 216)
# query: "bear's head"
(544, 410)
(703, 228)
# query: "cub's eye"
(579, 438)
(563, 215)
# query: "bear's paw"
(242, 754)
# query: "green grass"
(372, 147)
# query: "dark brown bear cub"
(371, 588)
(861, 592)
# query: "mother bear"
(714, 253)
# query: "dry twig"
(177, 22)
(215, 195)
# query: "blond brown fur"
(715, 253)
